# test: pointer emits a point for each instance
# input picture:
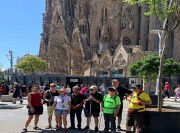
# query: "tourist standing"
(49, 96)
(62, 105)
(136, 108)
(123, 93)
(92, 106)
(111, 105)
(77, 101)
(35, 108)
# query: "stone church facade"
(98, 37)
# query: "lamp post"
(159, 33)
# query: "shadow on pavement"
(69, 131)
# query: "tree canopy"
(148, 67)
(160, 8)
(31, 64)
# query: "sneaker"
(48, 127)
(24, 130)
(96, 129)
(13, 102)
(86, 128)
(118, 128)
(36, 128)
(71, 127)
(58, 128)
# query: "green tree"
(31, 64)
(164, 10)
(148, 67)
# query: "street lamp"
(159, 33)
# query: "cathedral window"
(126, 40)
(156, 43)
(123, 24)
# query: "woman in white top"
(177, 91)
(62, 105)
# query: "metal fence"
(69, 80)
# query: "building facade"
(98, 37)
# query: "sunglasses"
(53, 86)
(91, 89)
(111, 90)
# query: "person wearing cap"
(111, 105)
(49, 96)
(136, 108)
(77, 101)
(122, 93)
(92, 106)
(62, 105)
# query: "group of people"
(62, 102)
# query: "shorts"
(94, 114)
(50, 111)
(61, 112)
(15, 95)
(38, 110)
(137, 117)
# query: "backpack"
(140, 98)
(113, 98)
(139, 95)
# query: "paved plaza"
(13, 117)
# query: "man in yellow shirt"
(136, 108)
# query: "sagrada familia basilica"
(99, 37)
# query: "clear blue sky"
(20, 28)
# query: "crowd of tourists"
(90, 100)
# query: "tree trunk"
(161, 72)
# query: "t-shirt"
(167, 87)
(143, 96)
(111, 103)
(103, 88)
(53, 96)
(95, 107)
(62, 102)
(122, 92)
(177, 90)
(77, 99)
